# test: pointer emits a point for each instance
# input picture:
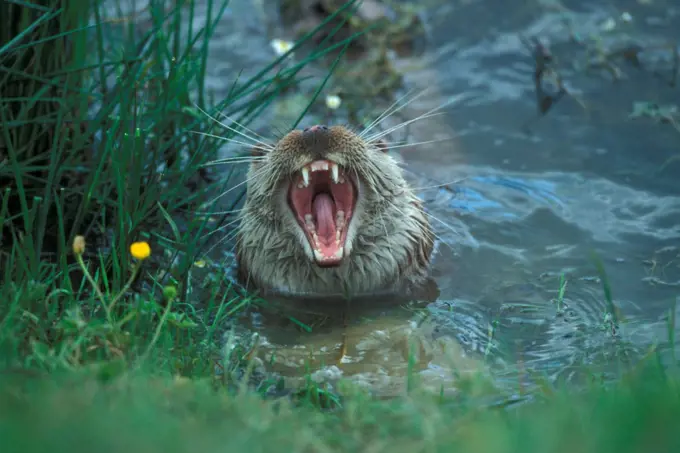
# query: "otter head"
(319, 194)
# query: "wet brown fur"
(389, 241)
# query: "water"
(528, 207)
(587, 179)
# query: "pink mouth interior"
(330, 205)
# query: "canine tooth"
(318, 255)
(339, 252)
(335, 171)
(305, 176)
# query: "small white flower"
(333, 101)
(626, 17)
(280, 46)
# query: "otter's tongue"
(323, 207)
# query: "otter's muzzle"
(316, 140)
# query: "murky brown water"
(528, 207)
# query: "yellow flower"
(79, 245)
(140, 250)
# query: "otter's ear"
(382, 146)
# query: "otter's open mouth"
(322, 197)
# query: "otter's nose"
(315, 129)
(316, 140)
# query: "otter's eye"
(257, 152)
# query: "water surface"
(527, 207)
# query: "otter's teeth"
(335, 172)
(319, 165)
(339, 225)
(309, 222)
(305, 176)
(338, 254)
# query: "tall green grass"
(98, 139)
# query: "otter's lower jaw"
(322, 196)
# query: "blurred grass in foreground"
(136, 413)
(96, 140)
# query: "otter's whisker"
(374, 138)
(425, 115)
(229, 237)
(434, 235)
(239, 157)
(256, 174)
(255, 141)
(420, 143)
(373, 123)
(212, 213)
(263, 139)
(458, 181)
(426, 213)
(223, 239)
(231, 140)
(449, 227)
(399, 142)
(236, 160)
(389, 111)
(221, 228)
(384, 225)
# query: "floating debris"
(609, 25)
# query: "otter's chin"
(322, 196)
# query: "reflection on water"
(527, 207)
(376, 341)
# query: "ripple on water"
(556, 219)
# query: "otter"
(329, 213)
